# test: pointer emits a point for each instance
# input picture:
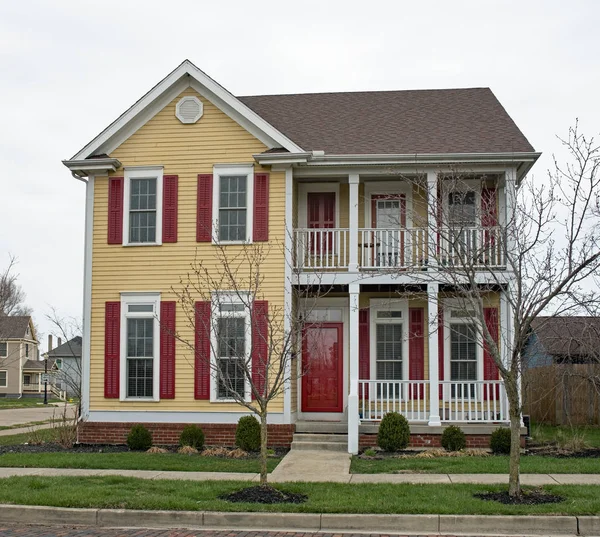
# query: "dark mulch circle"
(263, 494)
(533, 497)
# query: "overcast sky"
(69, 68)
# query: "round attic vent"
(189, 110)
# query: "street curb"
(588, 526)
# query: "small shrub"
(369, 452)
(139, 438)
(247, 434)
(394, 432)
(156, 449)
(192, 436)
(187, 450)
(500, 441)
(237, 454)
(453, 439)
(215, 452)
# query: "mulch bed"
(263, 494)
(533, 497)
(555, 451)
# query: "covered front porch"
(368, 353)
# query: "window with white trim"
(27, 380)
(142, 215)
(26, 350)
(232, 347)
(140, 338)
(3, 379)
(233, 195)
(463, 358)
(462, 209)
(3, 349)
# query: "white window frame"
(467, 185)
(128, 299)
(229, 298)
(384, 304)
(386, 188)
(455, 305)
(143, 172)
(5, 385)
(6, 352)
(220, 170)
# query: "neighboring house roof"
(394, 122)
(14, 326)
(69, 349)
(37, 365)
(568, 337)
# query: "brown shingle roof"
(394, 122)
(38, 365)
(69, 349)
(13, 326)
(568, 336)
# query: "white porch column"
(287, 286)
(353, 180)
(510, 201)
(353, 420)
(432, 201)
(434, 377)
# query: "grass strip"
(496, 464)
(133, 461)
(129, 493)
(7, 404)
(46, 435)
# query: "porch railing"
(321, 248)
(478, 247)
(473, 401)
(408, 397)
(392, 248)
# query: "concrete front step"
(332, 427)
(316, 437)
(320, 442)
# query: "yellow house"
(389, 201)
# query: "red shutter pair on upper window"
(204, 217)
(260, 349)
(112, 350)
(116, 205)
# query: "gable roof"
(568, 336)
(69, 349)
(14, 326)
(394, 122)
(38, 365)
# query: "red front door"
(321, 215)
(322, 368)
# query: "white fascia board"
(89, 166)
(186, 75)
(269, 159)
(424, 158)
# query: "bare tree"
(247, 345)
(68, 329)
(541, 259)
(12, 296)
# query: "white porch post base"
(353, 419)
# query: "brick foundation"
(166, 434)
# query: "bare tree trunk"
(514, 477)
(263, 448)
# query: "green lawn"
(23, 425)
(129, 493)
(496, 464)
(46, 435)
(7, 404)
(563, 435)
(134, 461)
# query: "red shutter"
(261, 207)
(204, 208)
(490, 369)
(364, 350)
(441, 347)
(202, 358)
(167, 350)
(169, 216)
(489, 208)
(260, 345)
(112, 349)
(416, 346)
(115, 210)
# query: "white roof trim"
(184, 76)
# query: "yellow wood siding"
(186, 151)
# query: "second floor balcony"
(399, 248)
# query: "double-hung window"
(3, 349)
(233, 197)
(140, 335)
(142, 217)
(232, 349)
(3, 379)
(463, 359)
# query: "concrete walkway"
(307, 465)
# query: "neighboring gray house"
(66, 360)
(19, 359)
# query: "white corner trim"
(157, 416)
(87, 297)
(287, 289)
(185, 75)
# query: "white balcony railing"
(408, 397)
(472, 247)
(473, 401)
(321, 248)
(392, 248)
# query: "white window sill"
(143, 244)
(140, 399)
(212, 400)
(226, 243)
